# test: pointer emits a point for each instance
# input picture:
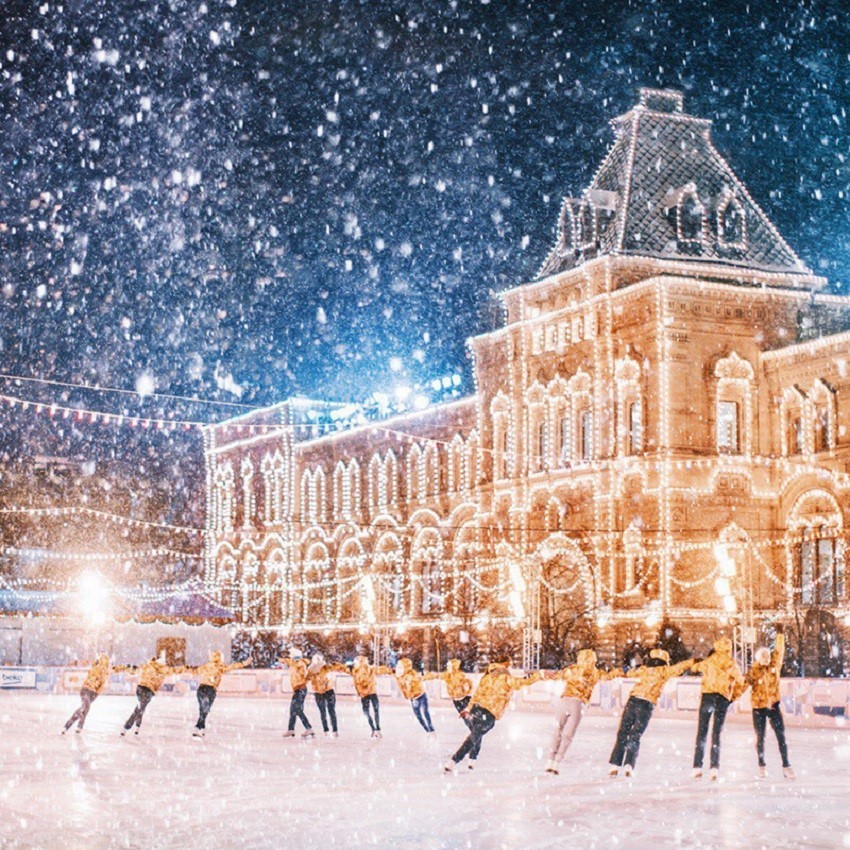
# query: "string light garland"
(98, 514)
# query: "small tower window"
(690, 215)
(731, 225)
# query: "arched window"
(733, 405)
(455, 456)
(794, 431)
(390, 479)
(415, 490)
(629, 407)
(431, 470)
(587, 225)
(819, 553)
(731, 223)
(377, 492)
(354, 486)
(689, 216)
(566, 229)
(342, 493)
(499, 410)
(823, 416)
(471, 464)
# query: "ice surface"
(246, 787)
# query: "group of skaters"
(482, 706)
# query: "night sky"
(276, 198)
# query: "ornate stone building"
(661, 429)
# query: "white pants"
(568, 719)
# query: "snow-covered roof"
(664, 191)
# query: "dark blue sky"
(301, 191)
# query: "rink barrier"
(804, 701)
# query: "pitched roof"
(664, 191)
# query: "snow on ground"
(246, 787)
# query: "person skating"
(763, 678)
(722, 684)
(410, 683)
(458, 684)
(651, 677)
(365, 683)
(318, 676)
(298, 681)
(579, 681)
(487, 705)
(152, 674)
(209, 678)
(95, 682)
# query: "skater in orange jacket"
(652, 677)
(95, 682)
(209, 678)
(763, 677)
(579, 681)
(488, 704)
(152, 674)
(410, 684)
(722, 684)
(458, 684)
(318, 676)
(365, 683)
(298, 680)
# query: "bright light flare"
(93, 597)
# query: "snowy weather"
(424, 424)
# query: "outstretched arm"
(779, 653)
(517, 682)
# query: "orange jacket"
(764, 678)
(318, 676)
(652, 679)
(720, 672)
(458, 684)
(496, 688)
(582, 677)
(211, 673)
(152, 673)
(365, 675)
(297, 672)
(98, 675)
(409, 681)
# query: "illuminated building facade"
(661, 429)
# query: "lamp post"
(524, 599)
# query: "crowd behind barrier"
(806, 702)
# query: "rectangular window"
(826, 577)
(566, 449)
(807, 572)
(727, 427)
(635, 428)
(797, 436)
(538, 449)
(822, 431)
(551, 337)
(586, 435)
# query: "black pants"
(460, 705)
(710, 705)
(420, 709)
(296, 709)
(144, 696)
(365, 704)
(481, 722)
(206, 697)
(633, 723)
(774, 715)
(88, 697)
(327, 708)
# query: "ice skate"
(714, 774)
(123, 732)
(334, 734)
(78, 730)
(551, 767)
(63, 731)
(307, 733)
(696, 773)
(377, 733)
(789, 774)
(628, 771)
(471, 765)
(198, 734)
(613, 771)
(449, 767)
(137, 731)
(762, 772)
(289, 734)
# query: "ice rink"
(246, 787)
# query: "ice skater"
(365, 683)
(152, 674)
(209, 678)
(298, 681)
(722, 684)
(579, 681)
(487, 705)
(318, 674)
(458, 684)
(652, 677)
(763, 678)
(95, 682)
(410, 683)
